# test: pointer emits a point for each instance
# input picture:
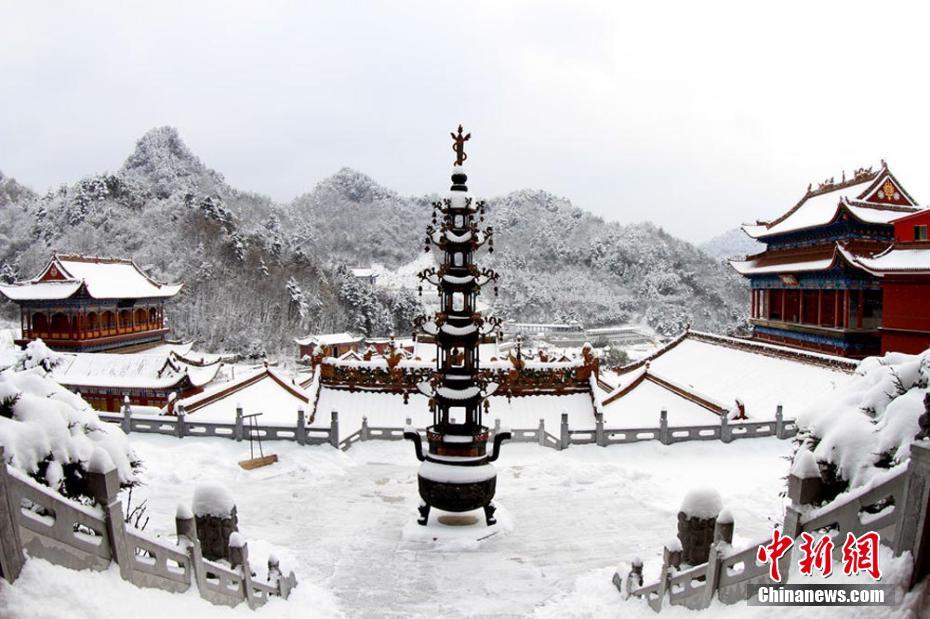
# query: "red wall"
(906, 307)
(904, 228)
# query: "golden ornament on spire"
(458, 146)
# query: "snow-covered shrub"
(52, 435)
(867, 427)
(37, 354)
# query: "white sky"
(697, 116)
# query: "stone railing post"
(334, 429)
(779, 422)
(726, 433)
(103, 484)
(913, 519)
(712, 576)
(793, 528)
(599, 436)
(497, 426)
(364, 433)
(179, 426)
(186, 527)
(804, 482)
(301, 432)
(664, 437)
(723, 528)
(541, 433)
(126, 422)
(184, 524)
(634, 580)
(564, 437)
(238, 431)
(239, 559)
(11, 546)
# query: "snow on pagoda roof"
(897, 259)
(129, 371)
(103, 278)
(721, 370)
(265, 391)
(328, 339)
(862, 196)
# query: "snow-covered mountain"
(557, 262)
(731, 244)
(258, 272)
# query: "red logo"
(771, 553)
(860, 554)
(817, 556)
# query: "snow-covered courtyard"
(336, 518)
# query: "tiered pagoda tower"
(456, 473)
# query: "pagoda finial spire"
(458, 146)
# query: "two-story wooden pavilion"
(84, 303)
(815, 286)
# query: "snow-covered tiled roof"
(328, 339)
(265, 391)
(40, 291)
(760, 265)
(103, 278)
(722, 370)
(129, 371)
(897, 259)
(820, 207)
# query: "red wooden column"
(836, 308)
(752, 311)
(860, 308)
(783, 295)
(846, 308)
(800, 305)
(820, 307)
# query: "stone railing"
(51, 527)
(181, 426)
(895, 507)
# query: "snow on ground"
(337, 519)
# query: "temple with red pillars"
(845, 271)
(89, 304)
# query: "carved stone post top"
(920, 454)
(334, 415)
(103, 483)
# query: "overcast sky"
(696, 116)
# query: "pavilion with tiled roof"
(88, 303)
(826, 280)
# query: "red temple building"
(81, 303)
(845, 271)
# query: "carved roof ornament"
(458, 146)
